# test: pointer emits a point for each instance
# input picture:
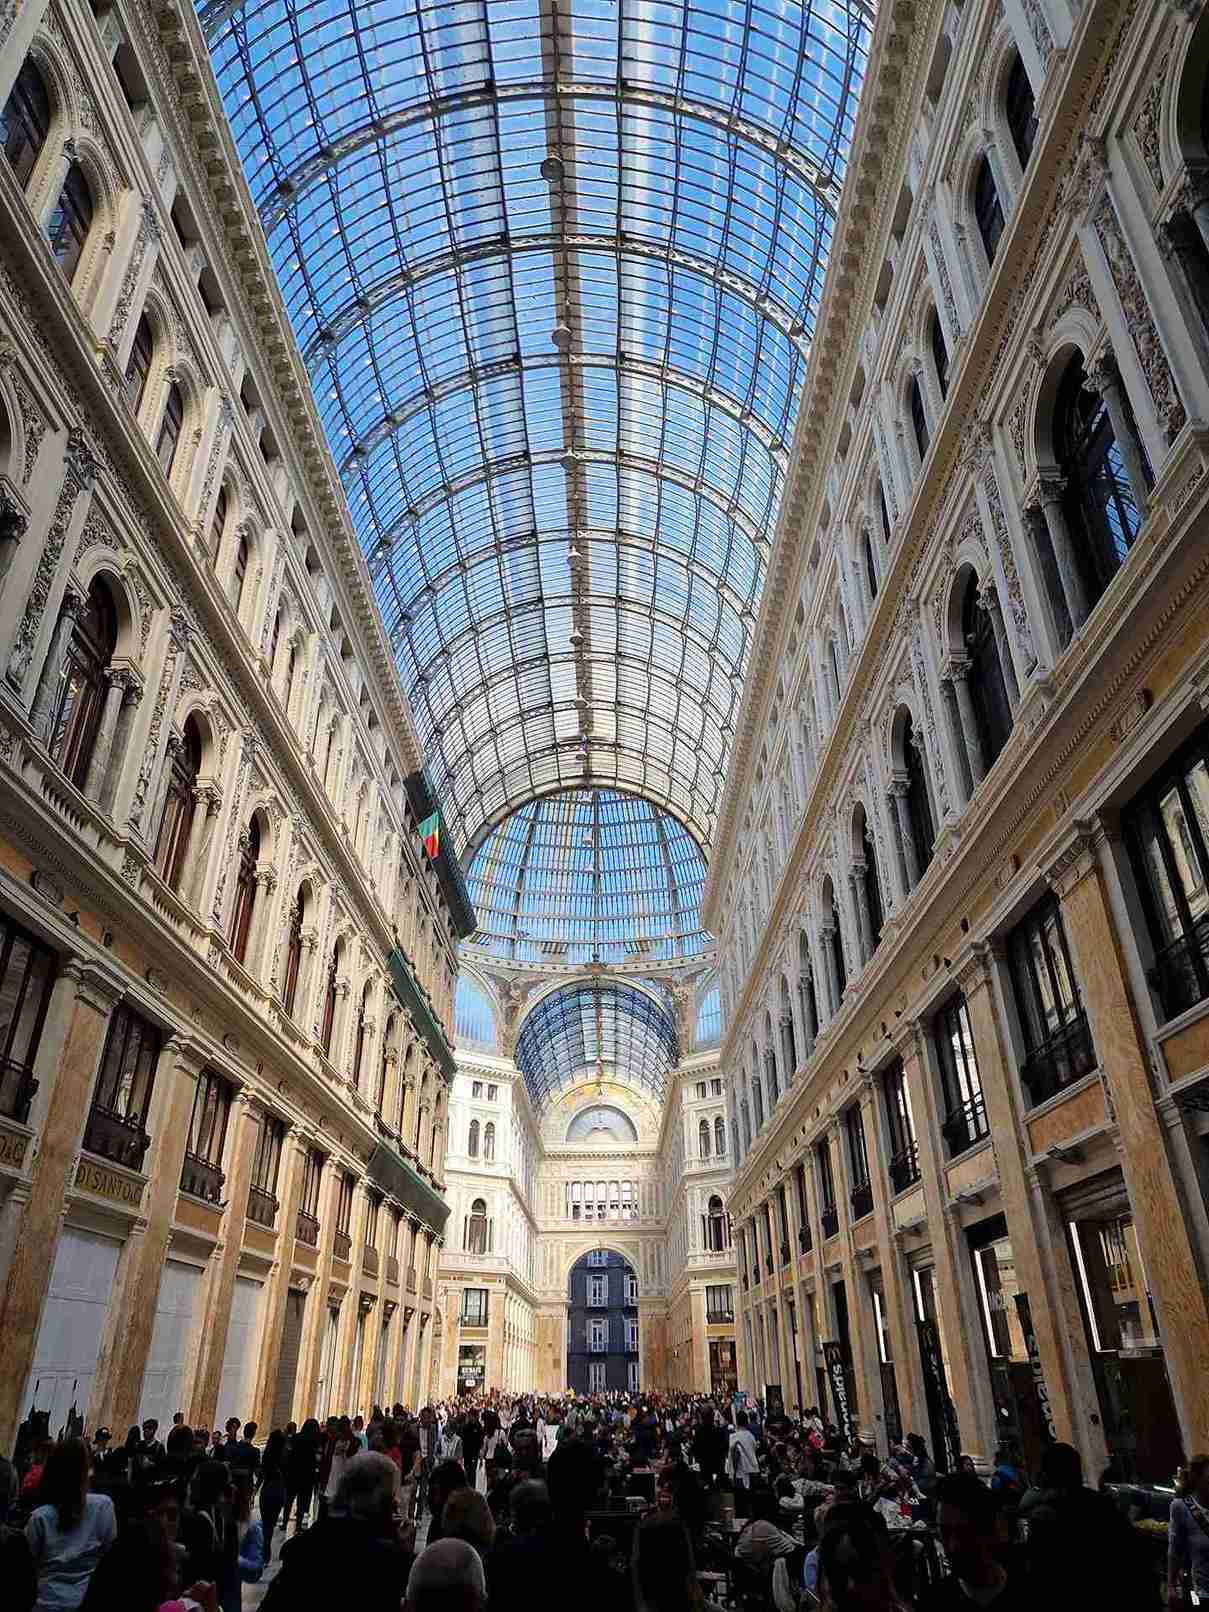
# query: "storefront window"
(885, 1355)
(1123, 1339)
(472, 1367)
(942, 1417)
(1017, 1384)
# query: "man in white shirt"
(744, 1459)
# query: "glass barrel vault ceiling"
(585, 876)
(597, 1029)
(555, 271)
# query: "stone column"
(1175, 1280)
(41, 712)
(118, 1385)
(826, 932)
(970, 1392)
(85, 996)
(297, 1145)
(902, 816)
(957, 672)
(860, 900)
(907, 1374)
(1049, 498)
(266, 882)
(115, 693)
(119, 749)
(988, 598)
(1104, 380)
(224, 1261)
(207, 804)
(1003, 1119)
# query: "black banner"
(833, 1354)
(1024, 1311)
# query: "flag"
(430, 833)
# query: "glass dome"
(598, 1030)
(588, 875)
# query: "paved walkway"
(254, 1594)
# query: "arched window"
(833, 660)
(919, 418)
(330, 995)
(293, 954)
(870, 566)
(918, 807)
(388, 1042)
(274, 640)
(476, 1227)
(1098, 501)
(138, 365)
(716, 1225)
(885, 513)
(359, 1049)
(472, 1140)
(245, 891)
(720, 1137)
(239, 572)
(835, 940)
(757, 1102)
(170, 429)
(1021, 109)
(328, 754)
(873, 888)
(81, 693)
(987, 209)
(703, 1139)
(789, 1040)
(489, 1143)
(172, 841)
(218, 524)
(992, 710)
(291, 671)
(68, 226)
(745, 1116)
(940, 353)
(25, 122)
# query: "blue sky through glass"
(555, 275)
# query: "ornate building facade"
(960, 870)
(227, 964)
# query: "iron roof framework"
(555, 271)
(599, 1029)
(585, 876)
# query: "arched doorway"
(602, 1323)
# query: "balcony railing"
(904, 1168)
(110, 1136)
(717, 1318)
(965, 1125)
(861, 1198)
(17, 1090)
(306, 1229)
(805, 1243)
(755, 1272)
(369, 1260)
(1065, 1057)
(201, 1179)
(1180, 971)
(831, 1221)
(262, 1207)
(342, 1245)
(392, 1268)
(745, 1282)
(785, 1253)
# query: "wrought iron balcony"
(831, 1220)
(342, 1245)
(755, 1272)
(411, 1279)
(1181, 970)
(111, 1136)
(369, 1260)
(805, 1242)
(904, 1168)
(202, 1179)
(392, 1268)
(785, 1253)
(17, 1090)
(262, 1207)
(1065, 1057)
(428, 1287)
(861, 1198)
(965, 1125)
(306, 1229)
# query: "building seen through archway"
(602, 1324)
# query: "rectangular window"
(1057, 1039)
(715, 1086)
(702, 1089)
(904, 1151)
(27, 972)
(632, 1376)
(858, 1162)
(576, 1205)
(492, 1093)
(476, 1088)
(965, 1120)
(598, 1335)
(474, 1306)
(117, 1122)
(596, 1376)
(799, 1185)
(598, 1256)
(1167, 831)
(631, 1337)
(598, 1290)
(202, 1172)
(344, 1205)
(719, 1305)
(631, 1290)
(830, 1210)
(266, 1167)
(372, 1217)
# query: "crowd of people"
(613, 1503)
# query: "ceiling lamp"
(553, 169)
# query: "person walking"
(272, 1487)
(472, 1445)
